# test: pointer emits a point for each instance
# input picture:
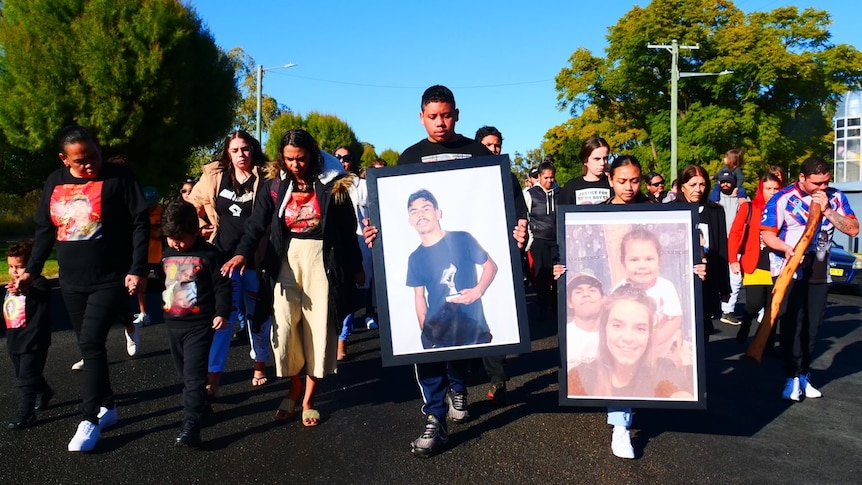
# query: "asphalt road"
(370, 415)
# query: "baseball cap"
(725, 175)
(584, 278)
(534, 173)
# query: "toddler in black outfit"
(28, 336)
(197, 301)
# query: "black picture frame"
(475, 196)
(670, 366)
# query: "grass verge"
(51, 269)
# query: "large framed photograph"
(629, 307)
(446, 269)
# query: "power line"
(384, 86)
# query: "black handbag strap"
(745, 230)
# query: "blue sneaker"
(806, 388)
(107, 417)
(370, 324)
(791, 389)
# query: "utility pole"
(673, 48)
(260, 71)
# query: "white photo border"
(676, 226)
(476, 196)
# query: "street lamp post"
(673, 48)
(675, 76)
(260, 71)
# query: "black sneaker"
(431, 439)
(43, 398)
(730, 319)
(22, 422)
(457, 402)
(189, 436)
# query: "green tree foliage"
(776, 106)
(146, 77)
(368, 154)
(329, 131)
(245, 113)
(521, 164)
(390, 155)
(246, 109)
(24, 170)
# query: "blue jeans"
(243, 300)
(620, 417)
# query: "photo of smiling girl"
(625, 366)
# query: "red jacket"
(752, 243)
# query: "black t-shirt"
(195, 289)
(233, 205)
(427, 151)
(581, 192)
(444, 269)
(100, 227)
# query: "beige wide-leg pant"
(301, 334)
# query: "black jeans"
(801, 315)
(756, 298)
(190, 348)
(28, 370)
(544, 252)
(495, 368)
(92, 313)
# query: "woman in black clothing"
(96, 217)
(694, 188)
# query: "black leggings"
(92, 313)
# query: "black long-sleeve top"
(195, 289)
(100, 227)
(35, 334)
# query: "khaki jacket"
(204, 194)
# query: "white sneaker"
(141, 320)
(791, 389)
(621, 443)
(78, 365)
(806, 388)
(107, 417)
(133, 340)
(85, 438)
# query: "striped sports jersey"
(786, 215)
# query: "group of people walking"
(278, 248)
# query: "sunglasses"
(345, 158)
(186, 191)
(658, 184)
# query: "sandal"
(212, 394)
(310, 417)
(258, 381)
(287, 407)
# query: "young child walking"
(197, 301)
(28, 336)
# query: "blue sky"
(368, 62)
